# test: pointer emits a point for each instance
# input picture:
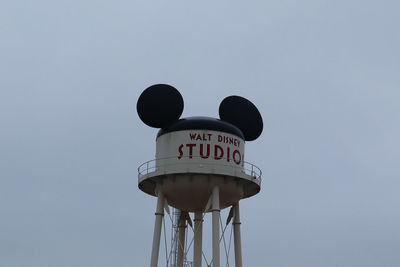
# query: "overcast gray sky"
(324, 74)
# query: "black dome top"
(202, 123)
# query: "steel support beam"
(181, 239)
(215, 226)
(236, 235)
(198, 238)
(157, 228)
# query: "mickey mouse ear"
(159, 105)
(243, 114)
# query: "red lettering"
(192, 136)
(216, 148)
(205, 151)
(236, 152)
(180, 152)
(208, 151)
(190, 146)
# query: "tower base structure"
(181, 191)
(181, 259)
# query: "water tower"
(199, 167)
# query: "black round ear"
(159, 105)
(243, 114)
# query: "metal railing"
(163, 163)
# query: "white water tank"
(195, 154)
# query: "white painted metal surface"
(181, 150)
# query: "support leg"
(236, 236)
(181, 242)
(215, 226)
(157, 228)
(198, 238)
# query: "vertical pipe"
(181, 242)
(157, 228)
(236, 235)
(215, 226)
(177, 215)
(198, 238)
